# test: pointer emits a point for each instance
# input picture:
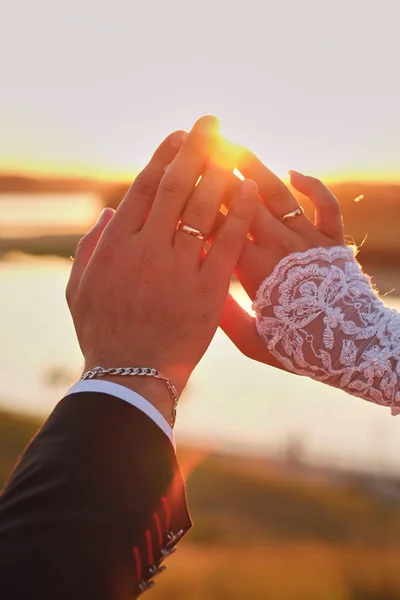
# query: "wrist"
(156, 390)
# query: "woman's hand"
(275, 238)
(141, 291)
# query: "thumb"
(327, 209)
(84, 250)
(240, 327)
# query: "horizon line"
(124, 178)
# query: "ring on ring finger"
(192, 231)
(297, 212)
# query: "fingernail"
(207, 125)
(295, 173)
(248, 187)
(177, 139)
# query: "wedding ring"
(192, 231)
(293, 214)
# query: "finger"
(84, 250)
(220, 220)
(232, 186)
(202, 208)
(180, 178)
(134, 208)
(201, 212)
(241, 329)
(225, 249)
(265, 227)
(274, 193)
(328, 218)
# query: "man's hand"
(144, 293)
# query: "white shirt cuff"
(124, 393)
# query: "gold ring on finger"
(192, 231)
(297, 212)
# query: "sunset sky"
(89, 87)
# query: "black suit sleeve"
(95, 504)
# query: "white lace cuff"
(320, 316)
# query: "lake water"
(231, 402)
(27, 215)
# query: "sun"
(239, 140)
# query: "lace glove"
(320, 316)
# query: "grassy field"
(292, 571)
(264, 529)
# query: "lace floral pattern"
(320, 316)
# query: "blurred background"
(294, 487)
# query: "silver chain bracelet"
(140, 372)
